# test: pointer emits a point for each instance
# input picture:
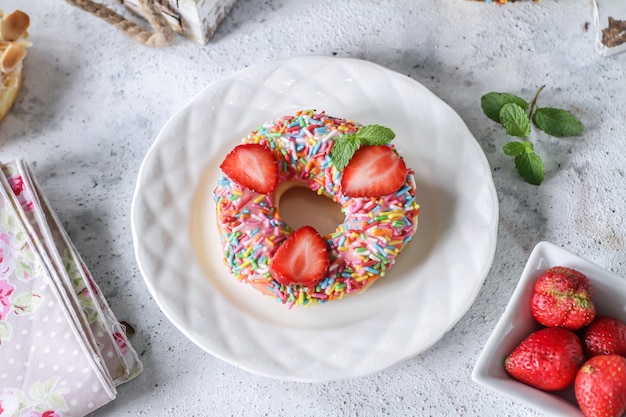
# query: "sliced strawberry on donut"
(252, 166)
(373, 171)
(301, 259)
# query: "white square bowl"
(517, 323)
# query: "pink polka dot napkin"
(62, 351)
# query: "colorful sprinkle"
(361, 249)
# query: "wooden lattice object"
(194, 19)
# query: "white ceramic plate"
(517, 323)
(431, 286)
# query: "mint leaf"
(515, 120)
(557, 122)
(515, 116)
(530, 166)
(346, 145)
(528, 146)
(343, 150)
(492, 103)
(514, 148)
(375, 135)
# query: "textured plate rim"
(175, 318)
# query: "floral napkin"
(62, 351)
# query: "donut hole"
(300, 206)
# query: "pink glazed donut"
(360, 250)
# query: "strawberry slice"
(301, 259)
(373, 171)
(252, 166)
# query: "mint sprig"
(346, 145)
(515, 116)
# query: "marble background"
(93, 101)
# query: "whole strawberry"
(604, 336)
(600, 386)
(562, 298)
(548, 359)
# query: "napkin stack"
(62, 351)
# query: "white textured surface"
(93, 102)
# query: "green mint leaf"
(346, 145)
(492, 103)
(557, 122)
(515, 120)
(343, 150)
(514, 148)
(530, 166)
(375, 135)
(528, 146)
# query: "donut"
(354, 165)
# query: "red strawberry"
(600, 386)
(562, 297)
(373, 171)
(548, 359)
(604, 336)
(252, 166)
(301, 259)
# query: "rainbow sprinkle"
(506, 1)
(362, 249)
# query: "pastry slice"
(13, 44)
